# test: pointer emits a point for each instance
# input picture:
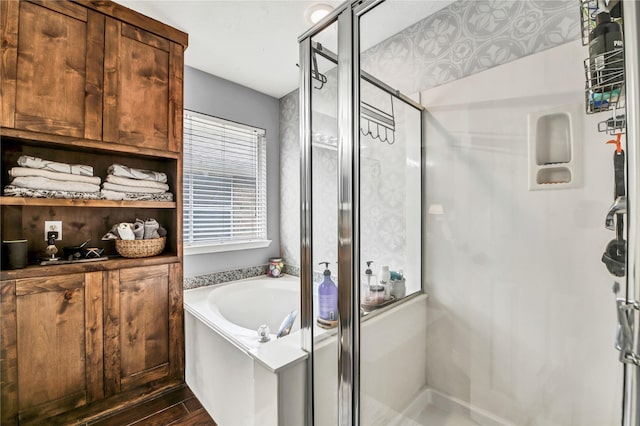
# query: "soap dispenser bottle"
(328, 296)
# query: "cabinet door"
(143, 88)
(52, 75)
(52, 338)
(143, 326)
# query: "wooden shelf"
(35, 271)
(63, 202)
(67, 142)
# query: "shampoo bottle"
(604, 39)
(328, 296)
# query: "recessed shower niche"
(555, 148)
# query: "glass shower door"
(511, 262)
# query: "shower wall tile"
(290, 179)
(515, 282)
(223, 277)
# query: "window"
(224, 195)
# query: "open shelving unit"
(23, 218)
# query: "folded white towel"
(39, 163)
(27, 171)
(140, 174)
(38, 182)
(124, 188)
(135, 196)
(136, 182)
(15, 191)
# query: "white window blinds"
(225, 186)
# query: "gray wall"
(208, 94)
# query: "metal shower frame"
(347, 16)
(631, 404)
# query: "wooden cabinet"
(89, 82)
(70, 70)
(143, 88)
(52, 345)
(143, 323)
(52, 75)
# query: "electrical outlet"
(53, 225)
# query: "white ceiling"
(255, 43)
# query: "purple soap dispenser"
(328, 296)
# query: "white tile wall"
(521, 317)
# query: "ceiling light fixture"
(314, 13)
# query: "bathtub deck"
(177, 407)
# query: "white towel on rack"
(39, 163)
(136, 182)
(38, 182)
(135, 196)
(15, 191)
(140, 174)
(28, 171)
(125, 188)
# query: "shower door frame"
(347, 16)
(631, 403)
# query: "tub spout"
(619, 206)
(287, 323)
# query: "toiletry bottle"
(369, 283)
(328, 296)
(385, 281)
(604, 39)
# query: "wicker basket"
(140, 248)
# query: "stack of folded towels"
(40, 178)
(127, 183)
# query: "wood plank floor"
(177, 407)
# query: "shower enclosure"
(455, 179)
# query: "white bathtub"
(240, 307)
(239, 380)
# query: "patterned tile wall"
(467, 37)
(223, 277)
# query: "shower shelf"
(588, 10)
(604, 86)
(614, 125)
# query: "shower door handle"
(624, 333)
